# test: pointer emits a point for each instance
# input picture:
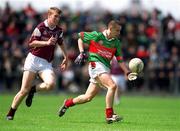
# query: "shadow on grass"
(86, 122)
(98, 122)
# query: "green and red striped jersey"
(102, 49)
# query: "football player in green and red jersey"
(103, 46)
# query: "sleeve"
(87, 36)
(60, 38)
(36, 35)
(118, 54)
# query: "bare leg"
(48, 77)
(106, 80)
(49, 81)
(91, 92)
(27, 80)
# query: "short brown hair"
(51, 9)
(113, 23)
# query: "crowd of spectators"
(148, 35)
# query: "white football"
(136, 65)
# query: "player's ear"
(110, 28)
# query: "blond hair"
(54, 9)
(114, 23)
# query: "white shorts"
(120, 81)
(95, 69)
(36, 64)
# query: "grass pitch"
(140, 114)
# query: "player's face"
(54, 18)
(115, 31)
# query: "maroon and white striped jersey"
(43, 33)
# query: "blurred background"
(150, 31)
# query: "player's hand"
(64, 64)
(52, 40)
(132, 76)
(81, 59)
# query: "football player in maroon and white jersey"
(39, 60)
(117, 75)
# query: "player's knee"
(50, 85)
(89, 98)
(23, 92)
(113, 87)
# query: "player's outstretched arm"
(64, 63)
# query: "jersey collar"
(105, 34)
(46, 24)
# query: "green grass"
(140, 114)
